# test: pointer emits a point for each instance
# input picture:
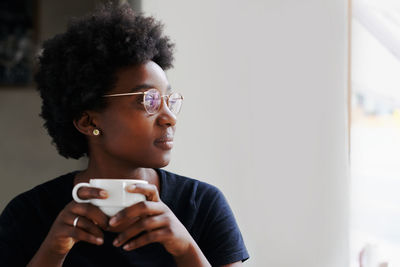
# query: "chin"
(162, 161)
(153, 159)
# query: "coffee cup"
(118, 197)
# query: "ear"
(86, 123)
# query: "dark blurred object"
(18, 31)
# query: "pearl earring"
(96, 132)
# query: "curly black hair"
(77, 67)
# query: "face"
(129, 134)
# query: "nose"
(165, 116)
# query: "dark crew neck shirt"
(199, 206)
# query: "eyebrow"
(147, 86)
(140, 87)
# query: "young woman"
(106, 96)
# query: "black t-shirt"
(200, 207)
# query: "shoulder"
(178, 185)
(50, 192)
(194, 202)
(27, 218)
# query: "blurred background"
(291, 109)
(375, 133)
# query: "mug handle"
(75, 193)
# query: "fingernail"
(131, 187)
(126, 247)
(115, 243)
(99, 240)
(103, 193)
(113, 221)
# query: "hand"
(63, 235)
(153, 220)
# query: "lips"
(165, 142)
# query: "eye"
(138, 99)
(152, 101)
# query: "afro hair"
(77, 67)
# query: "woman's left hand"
(153, 220)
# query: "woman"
(106, 96)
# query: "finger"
(122, 226)
(141, 209)
(158, 235)
(86, 225)
(147, 224)
(81, 235)
(149, 190)
(91, 192)
(91, 212)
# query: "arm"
(45, 259)
(221, 240)
(194, 257)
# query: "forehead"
(149, 74)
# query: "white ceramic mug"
(118, 197)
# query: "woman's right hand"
(63, 235)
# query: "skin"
(125, 149)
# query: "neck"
(111, 170)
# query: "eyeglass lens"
(152, 101)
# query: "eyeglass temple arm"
(138, 93)
(124, 94)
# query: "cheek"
(134, 131)
(133, 140)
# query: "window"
(375, 133)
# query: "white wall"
(265, 119)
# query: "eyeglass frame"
(144, 95)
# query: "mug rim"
(120, 180)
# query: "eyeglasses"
(152, 100)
